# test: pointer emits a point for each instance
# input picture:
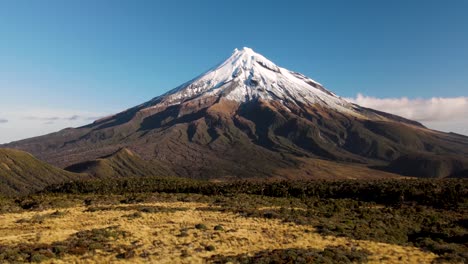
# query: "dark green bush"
(298, 256)
(200, 226)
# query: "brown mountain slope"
(21, 173)
(429, 165)
(226, 140)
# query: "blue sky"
(63, 63)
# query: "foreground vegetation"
(442, 193)
(431, 215)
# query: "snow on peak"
(243, 50)
(246, 76)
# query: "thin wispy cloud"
(52, 119)
(74, 117)
(446, 114)
(20, 123)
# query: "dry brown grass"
(159, 239)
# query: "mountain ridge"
(122, 163)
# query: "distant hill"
(122, 163)
(21, 173)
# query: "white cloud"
(21, 123)
(445, 114)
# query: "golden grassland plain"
(159, 239)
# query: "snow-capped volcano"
(248, 117)
(247, 76)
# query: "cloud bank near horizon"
(444, 114)
(25, 123)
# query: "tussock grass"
(80, 243)
(397, 221)
(171, 236)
